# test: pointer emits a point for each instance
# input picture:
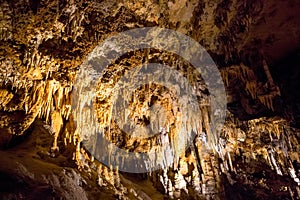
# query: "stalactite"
(274, 153)
(251, 89)
(6, 22)
(247, 76)
(35, 107)
(32, 66)
(267, 100)
(5, 97)
(56, 123)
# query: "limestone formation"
(256, 155)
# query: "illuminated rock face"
(42, 46)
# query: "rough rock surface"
(256, 47)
